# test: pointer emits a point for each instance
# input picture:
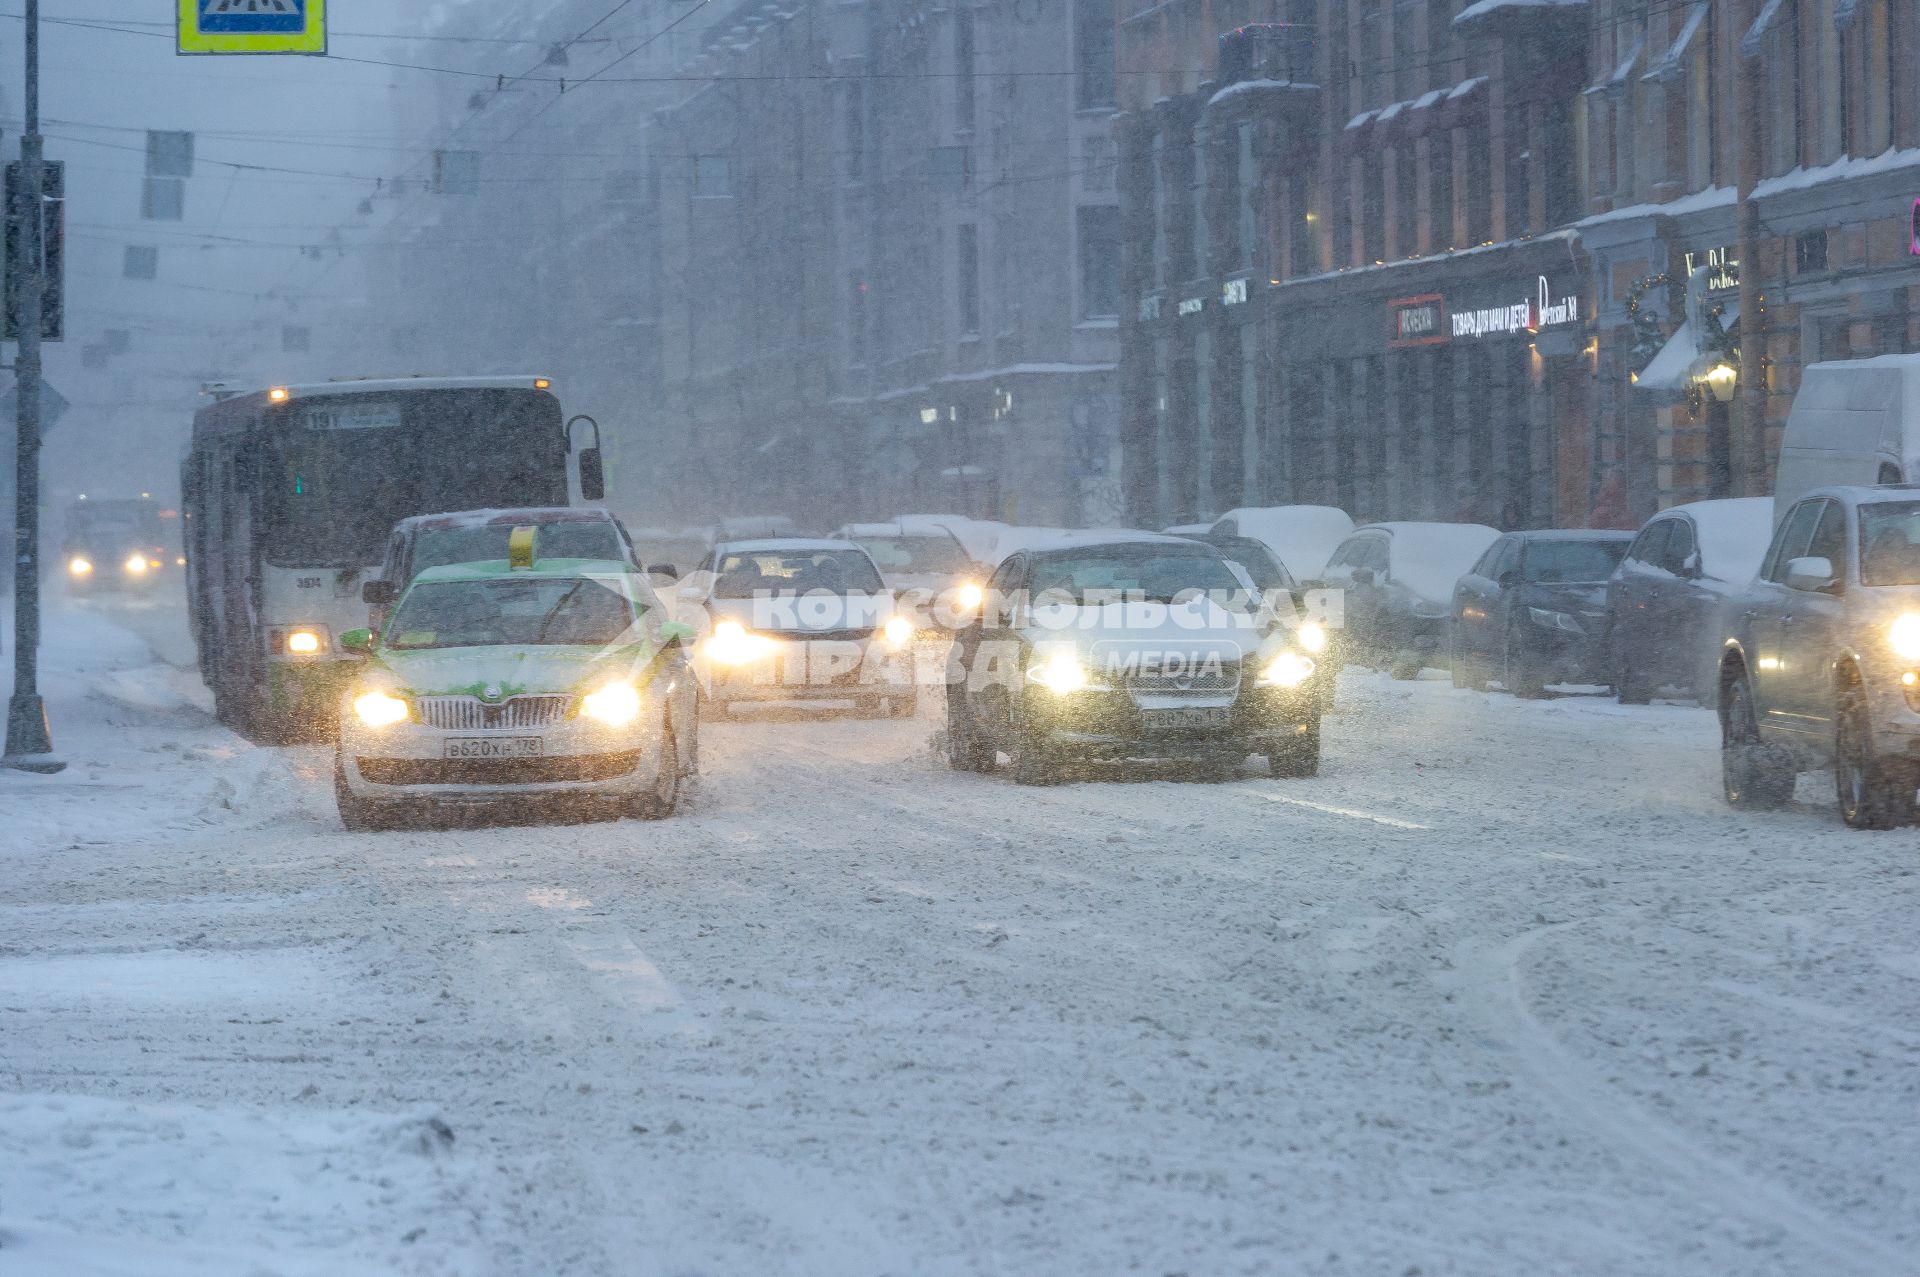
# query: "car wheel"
(1033, 764)
(1752, 777)
(361, 815)
(1874, 793)
(1629, 686)
(1522, 674)
(1299, 758)
(966, 752)
(664, 798)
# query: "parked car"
(1053, 671)
(1533, 610)
(1303, 536)
(1853, 421)
(1821, 664)
(515, 680)
(1666, 600)
(1398, 580)
(478, 536)
(794, 619)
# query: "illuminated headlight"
(305, 642)
(1288, 669)
(78, 566)
(969, 596)
(616, 704)
(732, 644)
(1904, 636)
(179, 560)
(1061, 673)
(1312, 635)
(136, 565)
(379, 709)
(1553, 620)
(897, 632)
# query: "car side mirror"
(1810, 573)
(1692, 566)
(360, 641)
(377, 592)
(667, 570)
(1508, 579)
(593, 475)
(1363, 576)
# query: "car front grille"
(1206, 684)
(497, 771)
(470, 713)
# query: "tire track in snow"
(1489, 979)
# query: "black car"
(1533, 610)
(1666, 603)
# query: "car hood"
(510, 671)
(808, 614)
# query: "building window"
(1876, 50)
(1099, 233)
(1519, 163)
(968, 265)
(1406, 202)
(963, 93)
(1783, 90)
(1096, 163)
(1200, 259)
(1249, 186)
(1702, 133)
(1303, 255)
(1093, 54)
(1479, 184)
(856, 106)
(1440, 215)
(1160, 176)
(712, 177)
(1558, 167)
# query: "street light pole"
(29, 744)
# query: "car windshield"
(1890, 543)
(1158, 573)
(476, 543)
(551, 611)
(752, 573)
(1259, 563)
(1566, 562)
(935, 554)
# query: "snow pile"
(1887, 161)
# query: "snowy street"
(1507, 990)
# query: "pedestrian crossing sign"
(253, 26)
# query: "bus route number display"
(373, 414)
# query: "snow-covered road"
(1507, 990)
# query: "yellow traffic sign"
(253, 26)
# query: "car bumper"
(1113, 724)
(815, 671)
(1567, 658)
(577, 759)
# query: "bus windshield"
(342, 470)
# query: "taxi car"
(799, 619)
(1821, 667)
(1131, 646)
(517, 679)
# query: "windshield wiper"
(541, 635)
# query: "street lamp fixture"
(1721, 380)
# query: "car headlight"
(79, 565)
(305, 642)
(733, 644)
(1903, 636)
(379, 709)
(136, 565)
(1553, 620)
(1061, 673)
(616, 704)
(897, 632)
(1312, 636)
(969, 596)
(1287, 669)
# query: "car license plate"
(1159, 720)
(469, 748)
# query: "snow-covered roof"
(502, 517)
(1063, 539)
(1753, 43)
(1673, 61)
(1733, 533)
(1801, 178)
(1245, 87)
(1430, 558)
(1303, 537)
(1699, 201)
(1486, 8)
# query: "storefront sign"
(1233, 292)
(1543, 310)
(1418, 321)
(1721, 266)
(1192, 305)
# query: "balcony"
(1268, 69)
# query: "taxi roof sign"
(520, 547)
(252, 26)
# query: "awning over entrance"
(1683, 358)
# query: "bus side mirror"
(377, 593)
(593, 475)
(360, 641)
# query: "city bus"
(290, 493)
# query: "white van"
(1854, 422)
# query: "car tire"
(362, 815)
(1628, 687)
(1752, 776)
(966, 752)
(1032, 763)
(1874, 793)
(1299, 758)
(663, 799)
(1523, 676)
